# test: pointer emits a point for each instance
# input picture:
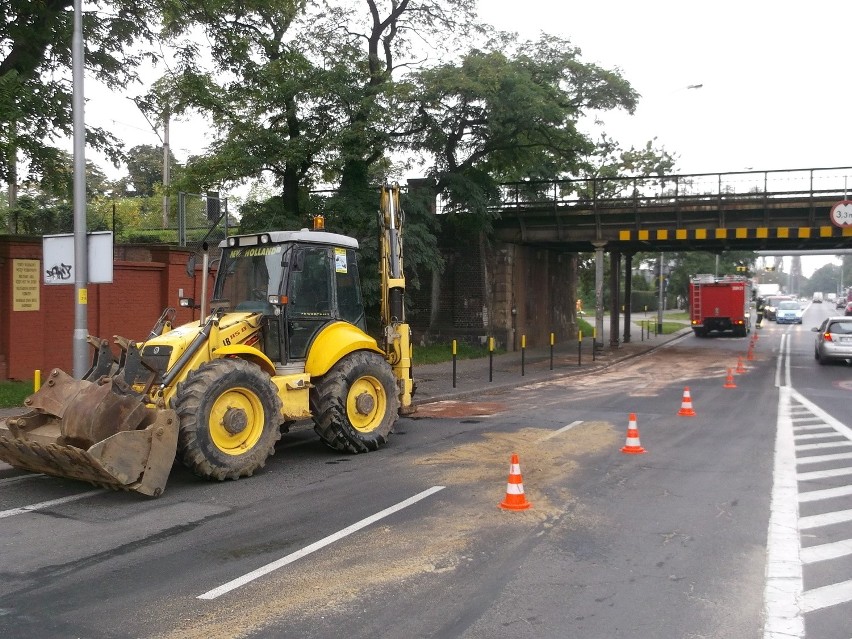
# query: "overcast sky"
(775, 88)
(775, 76)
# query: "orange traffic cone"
(686, 405)
(515, 498)
(740, 367)
(632, 445)
(750, 353)
(729, 382)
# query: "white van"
(817, 298)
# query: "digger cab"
(300, 281)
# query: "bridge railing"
(607, 193)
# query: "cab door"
(310, 300)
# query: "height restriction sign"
(841, 213)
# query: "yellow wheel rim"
(236, 421)
(366, 404)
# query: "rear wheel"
(230, 414)
(355, 404)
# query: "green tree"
(35, 70)
(683, 265)
(303, 92)
(509, 113)
(825, 279)
(145, 168)
(45, 205)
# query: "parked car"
(848, 310)
(833, 339)
(841, 302)
(789, 312)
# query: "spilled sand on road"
(475, 474)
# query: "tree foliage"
(35, 73)
(509, 112)
(145, 168)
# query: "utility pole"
(166, 168)
(13, 176)
(81, 253)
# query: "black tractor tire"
(230, 417)
(355, 404)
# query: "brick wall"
(481, 284)
(484, 280)
(145, 281)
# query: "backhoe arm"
(396, 331)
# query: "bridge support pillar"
(628, 295)
(615, 302)
(599, 301)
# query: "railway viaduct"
(784, 210)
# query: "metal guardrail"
(674, 191)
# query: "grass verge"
(13, 394)
(437, 353)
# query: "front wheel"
(355, 404)
(230, 414)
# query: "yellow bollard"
(36, 380)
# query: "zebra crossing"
(823, 450)
(809, 547)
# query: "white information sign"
(58, 258)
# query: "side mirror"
(815, 329)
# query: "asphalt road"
(409, 541)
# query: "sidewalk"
(434, 382)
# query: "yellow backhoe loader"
(285, 340)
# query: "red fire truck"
(720, 304)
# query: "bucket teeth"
(101, 432)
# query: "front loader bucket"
(96, 432)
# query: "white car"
(789, 312)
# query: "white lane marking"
(561, 430)
(821, 446)
(783, 618)
(825, 519)
(779, 361)
(837, 425)
(825, 474)
(826, 596)
(822, 552)
(47, 504)
(820, 426)
(830, 433)
(818, 459)
(317, 545)
(828, 493)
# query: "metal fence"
(202, 218)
